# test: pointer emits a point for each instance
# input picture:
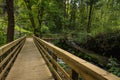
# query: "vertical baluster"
(1, 68)
(74, 75)
(54, 66)
(0, 60)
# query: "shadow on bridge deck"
(29, 65)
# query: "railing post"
(74, 75)
(54, 66)
(1, 68)
(10, 50)
(0, 59)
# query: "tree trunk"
(27, 2)
(10, 12)
(90, 16)
(72, 15)
(40, 16)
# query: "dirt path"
(29, 65)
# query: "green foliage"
(106, 29)
(70, 18)
(45, 29)
(21, 29)
(104, 43)
(66, 16)
(21, 32)
(0, 10)
(114, 66)
(2, 38)
(80, 37)
(2, 32)
(3, 29)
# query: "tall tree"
(40, 15)
(90, 16)
(73, 14)
(28, 5)
(10, 12)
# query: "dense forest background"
(91, 24)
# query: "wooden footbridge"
(21, 60)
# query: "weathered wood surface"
(29, 65)
(85, 69)
(8, 54)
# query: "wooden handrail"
(8, 54)
(79, 67)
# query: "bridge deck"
(29, 65)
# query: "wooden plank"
(0, 60)
(8, 65)
(0, 51)
(67, 76)
(15, 49)
(87, 70)
(51, 66)
(29, 65)
(5, 48)
(3, 61)
(46, 60)
(10, 45)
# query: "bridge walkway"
(29, 64)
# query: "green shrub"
(114, 66)
(104, 43)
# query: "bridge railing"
(78, 67)
(8, 54)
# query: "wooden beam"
(85, 69)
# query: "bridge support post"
(0, 60)
(54, 66)
(1, 68)
(74, 75)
